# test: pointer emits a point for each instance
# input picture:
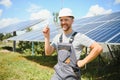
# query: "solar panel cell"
(116, 39)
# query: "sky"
(12, 11)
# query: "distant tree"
(55, 15)
(116, 51)
(1, 36)
(28, 29)
(8, 35)
(26, 46)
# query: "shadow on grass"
(98, 71)
(48, 61)
(7, 48)
(95, 70)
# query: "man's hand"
(81, 63)
(46, 31)
(96, 49)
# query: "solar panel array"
(35, 35)
(19, 26)
(102, 28)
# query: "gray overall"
(66, 68)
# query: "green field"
(17, 66)
(14, 66)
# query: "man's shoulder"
(57, 36)
(79, 34)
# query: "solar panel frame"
(114, 39)
(35, 35)
(19, 26)
(109, 17)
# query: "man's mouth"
(65, 27)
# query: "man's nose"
(63, 22)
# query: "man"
(66, 19)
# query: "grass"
(102, 71)
(16, 66)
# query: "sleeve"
(55, 41)
(85, 40)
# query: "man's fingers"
(46, 29)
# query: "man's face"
(66, 22)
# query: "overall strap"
(60, 39)
(71, 39)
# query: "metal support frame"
(85, 56)
(110, 51)
(33, 48)
(99, 58)
(14, 42)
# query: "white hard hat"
(65, 12)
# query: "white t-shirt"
(80, 40)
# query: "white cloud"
(6, 3)
(1, 12)
(8, 21)
(37, 12)
(97, 10)
(42, 14)
(33, 8)
(39, 26)
(117, 1)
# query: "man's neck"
(68, 32)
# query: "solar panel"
(98, 18)
(103, 28)
(105, 32)
(35, 35)
(86, 27)
(19, 26)
(107, 17)
(87, 20)
(29, 36)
